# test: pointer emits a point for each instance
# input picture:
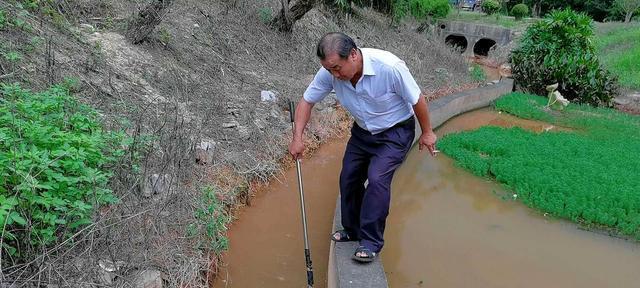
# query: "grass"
(619, 50)
(476, 17)
(588, 175)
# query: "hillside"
(195, 82)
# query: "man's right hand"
(296, 147)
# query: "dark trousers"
(374, 158)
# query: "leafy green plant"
(587, 174)
(400, 10)
(54, 165)
(490, 7)
(559, 49)
(265, 14)
(520, 11)
(211, 221)
(477, 74)
(13, 56)
(424, 9)
(165, 36)
(3, 19)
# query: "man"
(378, 90)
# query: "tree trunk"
(627, 18)
(287, 17)
(147, 20)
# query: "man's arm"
(428, 138)
(302, 115)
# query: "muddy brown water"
(266, 243)
(446, 229)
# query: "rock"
(204, 152)
(490, 83)
(269, 96)
(87, 28)
(230, 124)
(495, 81)
(148, 279)
(196, 25)
(244, 132)
(621, 101)
(156, 185)
(110, 266)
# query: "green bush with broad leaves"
(490, 7)
(559, 49)
(587, 174)
(520, 11)
(54, 165)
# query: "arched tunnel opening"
(457, 41)
(482, 47)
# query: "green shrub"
(477, 74)
(3, 19)
(54, 159)
(211, 221)
(420, 9)
(520, 11)
(265, 14)
(559, 49)
(491, 6)
(400, 9)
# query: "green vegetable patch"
(588, 175)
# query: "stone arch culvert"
(473, 39)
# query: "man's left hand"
(428, 140)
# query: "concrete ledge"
(343, 272)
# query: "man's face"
(343, 69)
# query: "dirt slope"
(198, 78)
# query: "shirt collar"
(367, 66)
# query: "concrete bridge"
(472, 38)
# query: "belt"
(403, 122)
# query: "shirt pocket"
(380, 104)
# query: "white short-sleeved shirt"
(384, 95)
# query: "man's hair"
(335, 42)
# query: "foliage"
(420, 9)
(520, 11)
(477, 74)
(619, 50)
(54, 165)
(265, 15)
(597, 9)
(628, 7)
(3, 19)
(211, 220)
(13, 56)
(481, 18)
(165, 36)
(491, 6)
(524, 106)
(423, 9)
(587, 175)
(559, 49)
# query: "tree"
(288, 16)
(628, 7)
(147, 20)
